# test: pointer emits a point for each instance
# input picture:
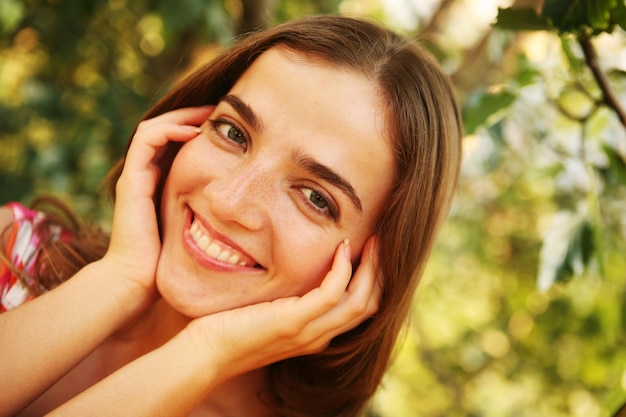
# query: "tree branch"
(609, 97)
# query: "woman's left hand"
(251, 337)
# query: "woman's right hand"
(135, 242)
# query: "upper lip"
(221, 237)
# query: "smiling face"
(294, 159)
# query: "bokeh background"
(521, 310)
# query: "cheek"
(190, 160)
(190, 169)
(304, 265)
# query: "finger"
(149, 140)
(139, 167)
(331, 290)
(360, 300)
(306, 309)
(192, 116)
(366, 277)
(369, 311)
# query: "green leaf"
(616, 75)
(618, 14)
(617, 166)
(557, 11)
(567, 248)
(521, 19)
(579, 16)
(599, 13)
(481, 106)
(576, 64)
(526, 73)
(11, 13)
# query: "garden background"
(521, 310)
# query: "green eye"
(230, 132)
(315, 198)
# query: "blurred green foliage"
(76, 76)
(522, 308)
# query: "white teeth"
(213, 249)
(203, 242)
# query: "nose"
(242, 195)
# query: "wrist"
(204, 344)
(131, 297)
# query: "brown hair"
(57, 259)
(424, 129)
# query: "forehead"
(333, 113)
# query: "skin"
(244, 182)
(256, 199)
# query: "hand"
(135, 242)
(251, 337)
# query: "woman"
(262, 261)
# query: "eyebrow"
(308, 163)
(327, 174)
(244, 110)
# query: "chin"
(184, 302)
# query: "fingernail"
(194, 129)
(346, 248)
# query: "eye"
(319, 202)
(229, 131)
(315, 198)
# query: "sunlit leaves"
(567, 248)
(484, 106)
(568, 15)
(616, 170)
(91, 68)
(11, 12)
(582, 17)
(521, 19)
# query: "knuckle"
(142, 125)
(358, 309)
(373, 307)
(319, 346)
(290, 331)
(316, 346)
(362, 309)
(330, 302)
(120, 184)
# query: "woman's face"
(291, 162)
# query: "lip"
(201, 257)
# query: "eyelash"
(330, 211)
(217, 123)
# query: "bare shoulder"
(6, 218)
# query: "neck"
(154, 327)
(237, 396)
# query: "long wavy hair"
(424, 128)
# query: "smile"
(218, 250)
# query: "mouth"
(217, 249)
